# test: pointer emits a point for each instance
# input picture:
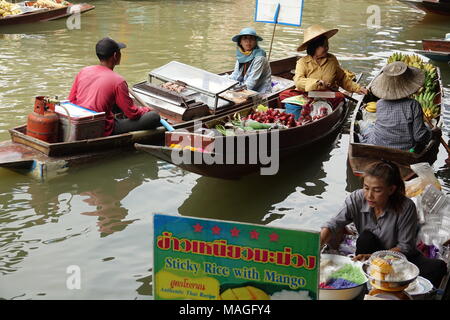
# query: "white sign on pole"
(290, 12)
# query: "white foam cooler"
(78, 123)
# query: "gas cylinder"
(43, 122)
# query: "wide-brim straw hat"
(246, 32)
(397, 81)
(313, 32)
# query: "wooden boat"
(43, 160)
(435, 55)
(44, 14)
(441, 7)
(440, 45)
(361, 155)
(238, 151)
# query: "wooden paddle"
(441, 139)
(348, 97)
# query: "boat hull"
(436, 45)
(361, 155)
(441, 8)
(238, 163)
(435, 55)
(44, 15)
(24, 152)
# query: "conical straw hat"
(314, 32)
(397, 81)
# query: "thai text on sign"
(212, 259)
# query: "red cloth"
(98, 88)
(294, 92)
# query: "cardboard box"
(78, 123)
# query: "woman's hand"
(363, 91)
(325, 235)
(362, 257)
(325, 84)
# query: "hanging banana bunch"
(430, 90)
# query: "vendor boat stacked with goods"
(232, 145)
(37, 11)
(430, 96)
(46, 151)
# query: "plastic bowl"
(341, 294)
(390, 285)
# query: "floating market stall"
(360, 155)
(257, 137)
(38, 11)
(43, 159)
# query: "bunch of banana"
(371, 107)
(426, 99)
(414, 61)
(396, 56)
(432, 112)
(411, 60)
(8, 9)
(430, 82)
(429, 67)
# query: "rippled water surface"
(99, 217)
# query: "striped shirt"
(399, 125)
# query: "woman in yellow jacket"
(320, 70)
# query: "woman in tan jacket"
(319, 69)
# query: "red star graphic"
(254, 234)
(215, 230)
(235, 232)
(274, 237)
(198, 228)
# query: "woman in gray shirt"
(385, 220)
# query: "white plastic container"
(78, 123)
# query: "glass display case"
(200, 85)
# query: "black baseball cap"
(106, 47)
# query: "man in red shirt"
(100, 89)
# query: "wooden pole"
(275, 21)
(271, 41)
(441, 139)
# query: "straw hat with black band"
(313, 32)
(397, 81)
